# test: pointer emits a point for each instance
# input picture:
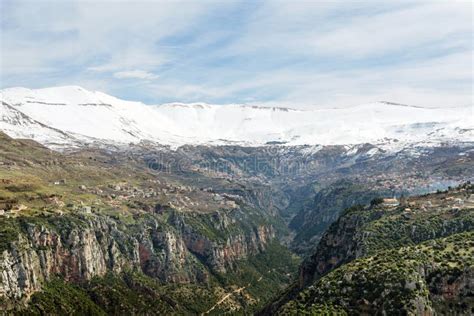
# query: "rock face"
(218, 250)
(221, 258)
(452, 289)
(93, 245)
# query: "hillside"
(434, 277)
(375, 246)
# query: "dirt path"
(224, 298)
(229, 294)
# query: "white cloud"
(353, 29)
(135, 74)
(105, 35)
(396, 32)
(298, 52)
(437, 82)
(130, 59)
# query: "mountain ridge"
(92, 115)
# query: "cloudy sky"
(297, 53)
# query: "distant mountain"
(71, 116)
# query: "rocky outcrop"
(221, 245)
(79, 254)
(221, 257)
(451, 293)
(364, 231)
(82, 247)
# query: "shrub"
(376, 201)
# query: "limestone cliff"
(78, 248)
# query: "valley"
(265, 158)
(99, 223)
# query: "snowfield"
(70, 116)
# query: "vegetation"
(376, 201)
(409, 280)
(265, 274)
(126, 293)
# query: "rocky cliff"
(78, 248)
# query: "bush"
(22, 187)
(376, 201)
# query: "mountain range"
(71, 116)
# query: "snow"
(91, 115)
(18, 125)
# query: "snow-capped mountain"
(70, 116)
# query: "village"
(453, 199)
(153, 196)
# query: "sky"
(306, 54)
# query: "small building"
(471, 198)
(86, 209)
(390, 202)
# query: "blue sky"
(290, 53)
